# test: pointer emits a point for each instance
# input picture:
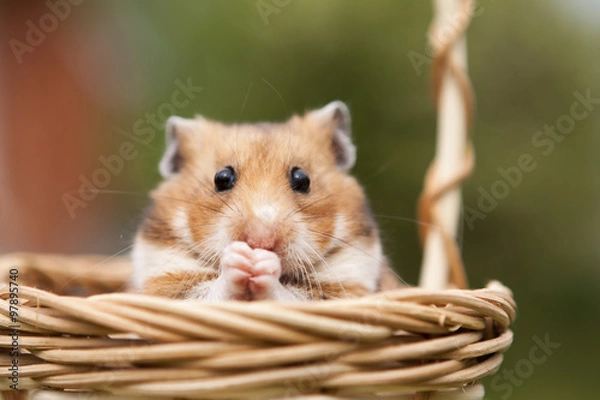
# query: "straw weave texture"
(120, 345)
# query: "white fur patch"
(204, 291)
(181, 226)
(354, 264)
(340, 229)
(266, 212)
(219, 240)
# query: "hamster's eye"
(299, 180)
(225, 179)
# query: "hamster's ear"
(336, 116)
(179, 132)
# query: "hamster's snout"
(263, 230)
(260, 236)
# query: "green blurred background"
(526, 61)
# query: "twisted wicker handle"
(440, 202)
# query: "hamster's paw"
(236, 270)
(249, 274)
(264, 283)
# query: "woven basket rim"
(403, 341)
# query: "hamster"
(260, 211)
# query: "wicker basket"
(122, 345)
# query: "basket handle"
(440, 200)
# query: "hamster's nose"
(260, 236)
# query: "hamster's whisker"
(129, 193)
(406, 219)
(210, 189)
(106, 191)
(203, 252)
(296, 264)
(293, 266)
(184, 251)
(303, 261)
(310, 263)
(189, 275)
(347, 218)
(195, 203)
(215, 248)
(161, 269)
(211, 254)
(326, 264)
(301, 268)
(305, 219)
(87, 271)
(298, 210)
(209, 250)
(331, 236)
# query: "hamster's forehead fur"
(259, 147)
